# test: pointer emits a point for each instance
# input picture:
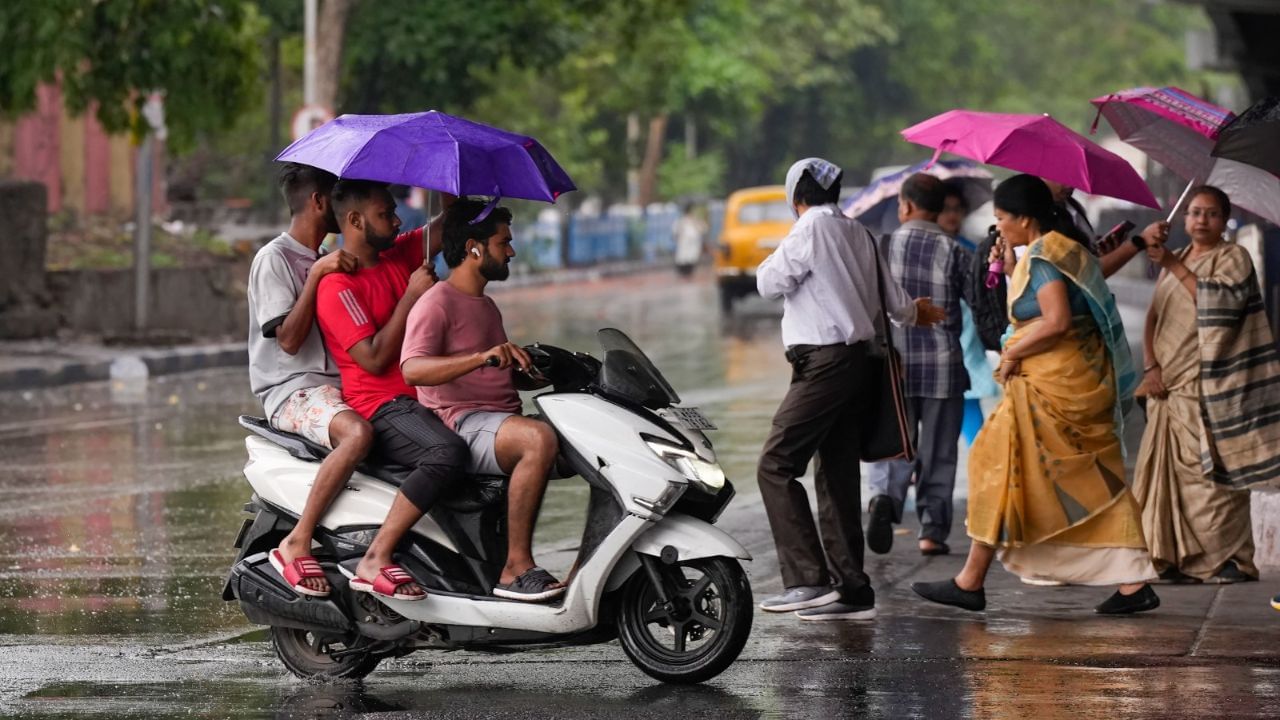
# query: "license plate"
(692, 418)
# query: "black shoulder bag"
(888, 433)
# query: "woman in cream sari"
(1046, 473)
(1213, 406)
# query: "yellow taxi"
(755, 221)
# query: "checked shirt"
(927, 262)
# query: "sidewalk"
(42, 363)
(1195, 625)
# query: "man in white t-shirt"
(289, 370)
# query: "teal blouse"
(1042, 273)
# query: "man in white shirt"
(825, 270)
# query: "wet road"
(119, 502)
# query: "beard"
(378, 242)
(495, 270)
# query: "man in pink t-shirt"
(451, 335)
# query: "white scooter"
(652, 569)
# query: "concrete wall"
(193, 302)
(23, 243)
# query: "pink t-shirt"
(447, 322)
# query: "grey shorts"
(479, 430)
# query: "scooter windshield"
(628, 373)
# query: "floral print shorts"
(309, 411)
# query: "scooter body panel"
(578, 612)
(610, 437)
(284, 481)
(692, 538)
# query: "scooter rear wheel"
(310, 655)
(702, 631)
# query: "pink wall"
(36, 147)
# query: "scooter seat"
(480, 491)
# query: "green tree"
(202, 55)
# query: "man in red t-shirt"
(452, 333)
(362, 316)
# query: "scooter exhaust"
(266, 600)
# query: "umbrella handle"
(1174, 210)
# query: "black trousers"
(820, 415)
(407, 433)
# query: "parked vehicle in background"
(755, 221)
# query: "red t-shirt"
(353, 307)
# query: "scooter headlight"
(706, 476)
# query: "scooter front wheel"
(701, 628)
(310, 655)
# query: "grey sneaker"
(799, 598)
(838, 611)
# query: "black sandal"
(534, 585)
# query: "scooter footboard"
(690, 537)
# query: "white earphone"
(475, 251)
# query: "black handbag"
(889, 432)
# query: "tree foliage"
(202, 55)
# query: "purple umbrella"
(435, 151)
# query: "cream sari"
(1190, 521)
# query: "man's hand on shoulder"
(337, 261)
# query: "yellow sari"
(1046, 472)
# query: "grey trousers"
(820, 416)
(934, 467)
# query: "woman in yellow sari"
(1046, 473)
(1213, 406)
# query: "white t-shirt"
(276, 280)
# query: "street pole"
(142, 233)
(309, 52)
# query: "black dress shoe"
(880, 524)
(1141, 601)
(946, 592)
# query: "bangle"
(1150, 367)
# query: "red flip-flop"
(302, 568)
(390, 577)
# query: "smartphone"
(1121, 229)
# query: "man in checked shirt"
(926, 262)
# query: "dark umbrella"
(1253, 137)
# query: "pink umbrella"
(1035, 144)
(1178, 130)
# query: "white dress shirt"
(825, 272)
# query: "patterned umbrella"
(1178, 130)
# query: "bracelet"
(1150, 367)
